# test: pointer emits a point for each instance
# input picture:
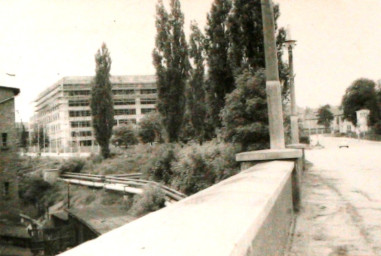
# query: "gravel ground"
(341, 200)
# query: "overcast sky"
(43, 40)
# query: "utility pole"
(274, 101)
(290, 44)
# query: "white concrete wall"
(247, 214)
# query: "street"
(341, 200)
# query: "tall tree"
(170, 58)
(220, 74)
(245, 32)
(23, 137)
(325, 116)
(196, 90)
(244, 116)
(361, 95)
(101, 103)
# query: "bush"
(202, 166)
(151, 200)
(124, 135)
(72, 165)
(159, 164)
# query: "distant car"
(344, 144)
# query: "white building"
(362, 116)
(63, 109)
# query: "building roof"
(88, 79)
(16, 91)
(101, 219)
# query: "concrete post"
(273, 90)
(294, 114)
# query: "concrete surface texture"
(341, 200)
(221, 220)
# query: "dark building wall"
(8, 147)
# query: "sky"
(41, 41)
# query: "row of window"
(124, 102)
(76, 124)
(79, 103)
(79, 113)
(118, 112)
(147, 101)
(85, 103)
(115, 92)
(81, 134)
(147, 110)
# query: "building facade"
(63, 112)
(8, 145)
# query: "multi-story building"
(8, 146)
(62, 111)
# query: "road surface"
(341, 200)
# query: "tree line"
(208, 86)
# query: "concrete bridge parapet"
(248, 214)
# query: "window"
(148, 91)
(123, 91)
(147, 101)
(6, 189)
(147, 110)
(124, 102)
(79, 93)
(80, 124)
(78, 103)
(85, 143)
(79, 113)
(4, 137)
(124, 112)
(81, 134)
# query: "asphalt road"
(341, 200)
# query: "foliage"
(159, 164)
(72, 165)
(151, 200)
(101, 103)
(150, 129)
(124, 135)
(23, 137)
(170, 58)
(220, 73)
(201, 166)
(196, 90)
(31, 190)
(40, 137)
(244, 117)
(325, 116)
(361, 95)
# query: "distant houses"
(339, 125)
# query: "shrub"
(159, 164)
(151, 200)
(202, 166)
(124, 135)
(31, 190)
(72, 165)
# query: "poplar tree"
(170, 58)
(196, 90)
(101, 102)
(220, 74)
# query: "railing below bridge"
(127, 183)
